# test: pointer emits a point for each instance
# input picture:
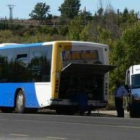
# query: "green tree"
(125, 52)
(70, 8)
(103, 27)
(86, 16)
(127, 17)
(75, 28)
(40, 11)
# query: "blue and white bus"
(38, 75)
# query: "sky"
(22, 8)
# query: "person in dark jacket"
(82, 101)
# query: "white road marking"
(56, 138)
(19, 135)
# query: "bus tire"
(20, 102)
(133, 111)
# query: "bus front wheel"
(134, 111)
(20, 102)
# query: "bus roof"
(7, 44)
(15, 45)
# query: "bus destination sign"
(86, 56)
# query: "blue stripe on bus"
(10, 46)
(8, 90)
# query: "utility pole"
(118, 13)
(85, 15)
(11, 11)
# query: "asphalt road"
(62, 127)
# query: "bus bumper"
(66, 102)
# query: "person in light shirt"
(120, 92)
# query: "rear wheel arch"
(19, 92)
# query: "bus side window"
(22, 58)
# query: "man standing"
(119, 93)
(82, 101)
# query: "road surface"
(64, 127)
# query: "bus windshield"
(136, 81)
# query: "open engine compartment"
(71, 83)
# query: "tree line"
(120, 30)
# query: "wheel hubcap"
(20, 101)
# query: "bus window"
(40, 63)
(22, 58)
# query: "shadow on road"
(94, 113)
(98, 113)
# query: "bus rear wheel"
(20, 102)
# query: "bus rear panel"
(80, 65)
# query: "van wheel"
(134, 111)
(20, 102)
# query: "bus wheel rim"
(20, 101)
